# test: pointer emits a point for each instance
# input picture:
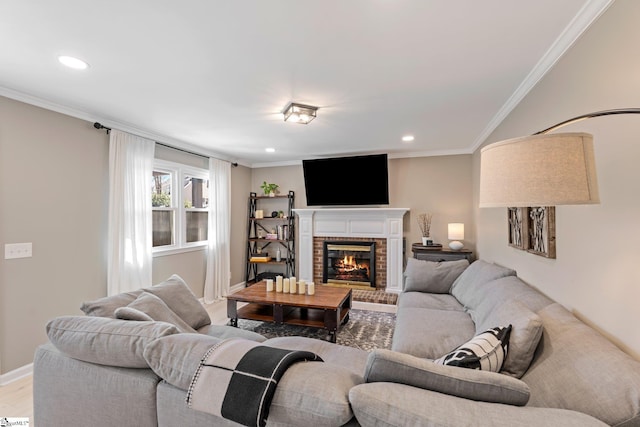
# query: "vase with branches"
(424, 222)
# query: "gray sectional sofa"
(129, 361)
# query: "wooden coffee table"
(327, 309)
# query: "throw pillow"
(129, 313)
(155, 308)
(178, 296)
(485, 351)
(392, 366)
(105, 306)
(525, 333)
(174, 292)
(430, 276)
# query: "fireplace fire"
(349, 262)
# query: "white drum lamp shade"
(455, 234)
(539, 170)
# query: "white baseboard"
(233, 289)
(16, 374)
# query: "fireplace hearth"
(349, 262)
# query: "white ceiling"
(214, 76)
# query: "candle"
(292, 284)
(311, 288)
(269, 285)
(278, 283)
(285, 286)
(301, 286)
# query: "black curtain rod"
(100, 127)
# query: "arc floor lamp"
(542, 169)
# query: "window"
(180, 204)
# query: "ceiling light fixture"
(408, 138)
(270, 150)
(298, 113)
(72, 62)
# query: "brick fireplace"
(383, 226)
(377, 266)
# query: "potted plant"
(269, 189)
(424, 222)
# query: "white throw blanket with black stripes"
(237, 378)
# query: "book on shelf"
(262, 257)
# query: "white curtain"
(130, 221)
(216, 284)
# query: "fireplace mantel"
(384, 223)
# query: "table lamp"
(456, 233)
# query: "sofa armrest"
(392, 366)
(390, 404)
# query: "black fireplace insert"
(349, 262)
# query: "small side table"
(439, 253)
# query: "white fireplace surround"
(386, 223)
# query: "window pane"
(197, 226)
(161, 189)
(195, 192)
(162, 228)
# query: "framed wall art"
(533, 229)
(517, 227)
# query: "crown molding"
(585, 17)
(125, 127)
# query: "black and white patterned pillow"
(486, 351)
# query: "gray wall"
(595, 273)
(53, 193)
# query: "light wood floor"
(16, 398)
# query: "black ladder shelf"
(268, 234)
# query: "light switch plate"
(18, 250)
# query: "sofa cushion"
(431, 333)
(150, 306)
(425, 300)
(577, 368)
(486, 351)
(391, 366)
(353, 359)
(388, 404)
(467, 288)
(105, 341)
(511, 288)
(430, 276)
(308, 393)
(525, 332)
(225, 331)
(175, 293)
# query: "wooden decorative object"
(533, 229)
(517, 218)
(542, 231)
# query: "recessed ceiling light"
(270, 150)
(408, 138)
(72, 62)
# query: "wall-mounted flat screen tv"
(347, 181)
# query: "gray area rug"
(366, 330)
